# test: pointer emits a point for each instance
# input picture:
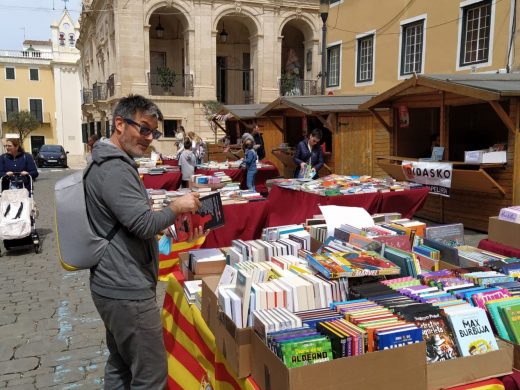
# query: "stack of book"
(158, 198)
(206, 261)
(192, 292)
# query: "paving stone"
(7, 347)
(18, 365)
(28, 382)
(6, 318)
(38, 348)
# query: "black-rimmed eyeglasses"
(143, 130)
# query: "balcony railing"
(99, 91)
(26, 54)
(183, 85)
(111, 84)
(297, 87)
(86, 95)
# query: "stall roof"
(243, 111)
(317, 104)
(483, 86)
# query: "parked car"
(51, 155)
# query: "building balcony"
(111, 84)
(182, 86)
(99, 92)
(86, 96)
(44, 118)
(298, 87)
(26, 54)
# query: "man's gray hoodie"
(116, 195)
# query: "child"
(187, 162)
(250, 164)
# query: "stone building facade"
(181, 53)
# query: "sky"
(31, 18)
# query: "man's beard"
(132, 149)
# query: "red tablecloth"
(172, 162)
(239, 175)
(288, 206)
(244, 221)
(496, 247)
(404, 202)
(169, 181)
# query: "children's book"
(209, 216)
(440, 345)
(472, 330)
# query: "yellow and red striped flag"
(193, 360)
(167, 263)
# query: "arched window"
(71, 39)
(62, 39)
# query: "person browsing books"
(187, 162)
(309, 152)
(249, 164)
(123, 283)
(259, 143)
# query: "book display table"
(496, 247)
(289, 206)
(239, 175)
(244, 220)
(169, 181)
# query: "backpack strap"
(117, 225)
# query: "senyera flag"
(193, 360)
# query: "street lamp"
(159, 30)
(324, 13)
(223, 34)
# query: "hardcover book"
(472, 330)
(440, 345)
(209, 216)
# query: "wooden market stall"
(467, 112)
(234, 121)
(350, 134)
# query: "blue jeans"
(250, 180)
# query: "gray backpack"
(79, 246)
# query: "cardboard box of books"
(234, 343)
(469, 369)
(209, 307)
(204, 268)
(504, 232)
(400, 369)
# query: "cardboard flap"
(393, 369)
(469, 369)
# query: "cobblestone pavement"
(51, 336)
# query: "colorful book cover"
(209, 216)
(440, 345)
(473, 332)
(479, 299)
(398, 338)
(511, 317)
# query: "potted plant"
(167, 77)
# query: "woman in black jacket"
(15, 161)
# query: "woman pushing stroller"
(15, 160)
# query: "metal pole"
(323, 56)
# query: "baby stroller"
(18, 214)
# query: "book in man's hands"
(209, 216)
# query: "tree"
(210, 108)
(23, 122)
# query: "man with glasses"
(123, 284)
